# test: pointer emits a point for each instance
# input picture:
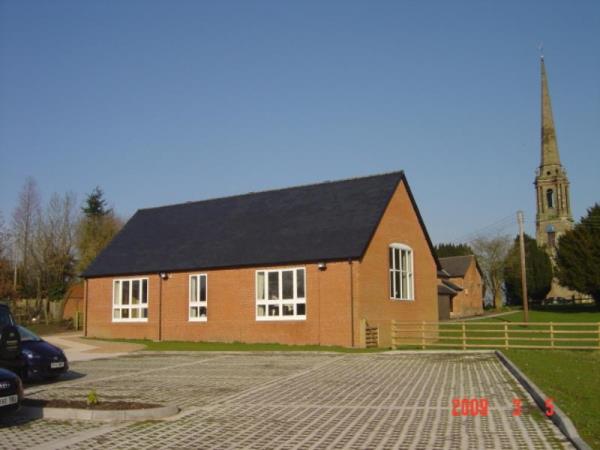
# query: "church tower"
(553, 216)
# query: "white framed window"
(281, 294)
(401, 272)
(130, 300)
(198, 309)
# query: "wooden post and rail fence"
(504, 335)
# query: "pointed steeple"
(550, 156)
(551, 182)
(553, 217)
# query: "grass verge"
(573, 327)
(571, 378)
(552, 314)
(164, 346)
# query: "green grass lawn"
(488, 332)
(239, 347)
(552, 314)
(572, 379)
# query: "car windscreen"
(5, 318)
(28, 335)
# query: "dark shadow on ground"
(17, 418)
(67, 376)
(571, 308)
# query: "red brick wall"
(99, 311)
(398, 225)
(231, 309)
(231, 296)
(469, 301)
(74, 302)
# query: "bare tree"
(24, 219)
(491, 255)
(54, 250)
(6, 287)
(3, 237)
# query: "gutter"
(351, 303)
(160, 286)
(85, 300)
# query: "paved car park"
(293, 401)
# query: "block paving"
(293, 401)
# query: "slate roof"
(456, 266)
(443, 274)
(451, 285)
(321, 222)
(445, 286)
(445, 290)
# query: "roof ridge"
(398, 172)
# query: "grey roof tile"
(320, 222)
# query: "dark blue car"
(42, 359)
(11, 391)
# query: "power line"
(493, 228)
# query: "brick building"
(73, 301)
(447, 291)
(465, 279)
(302, 265)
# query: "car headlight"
(31, 355)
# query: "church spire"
(552, 185)
(550, 155)
(553, 217)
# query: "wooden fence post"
(505, 335)
(598, 334)
(362, 333)
(464, 336)
(551, 335)
(423, 335)
(393, 333)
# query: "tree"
(491, 255)
(25, 217)
(6, 282)
(444, 250)
(4, 238)
(538, 272)
(54, 250)
(95, 204)
(95, 229)
(578, 256)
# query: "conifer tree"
(96, 228)
(578, 256)
(538, 272)
(444, 250)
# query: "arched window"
(401, 272)
(550, 198)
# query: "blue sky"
(162, 102)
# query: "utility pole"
(523, 271)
